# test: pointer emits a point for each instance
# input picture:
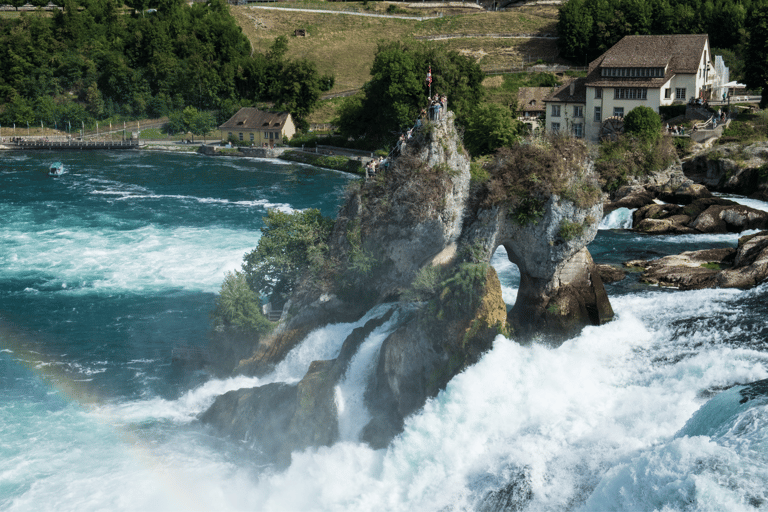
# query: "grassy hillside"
(344, 45)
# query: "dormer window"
(632, 72)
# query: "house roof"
(574, 91)
(255, 119)
(678, 53)
(531, 99)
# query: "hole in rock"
(509, 276)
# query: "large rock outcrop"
(670, 185)
(709, 215)
(732, 168)
(421, 235)
(743, 267)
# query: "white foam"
(353, 414)
(146, 258)
(746, 201)
(620, 218)
(183, 410)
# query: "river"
(108, 267)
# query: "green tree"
(489, 128)
(643, 122)
(238, 307)
(290, 244)
(756, 54)
(202, 124)
(397, 91)
(575, 26)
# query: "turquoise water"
(104, 269)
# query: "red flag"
(429, 76)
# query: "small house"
(259, 127)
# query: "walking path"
(490, 36)
(323, 11)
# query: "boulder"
(732, 168)
(743, 267)
(706, 215)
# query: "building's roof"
(679, 53)
(254, 119)
(574, 91)
(531, 99)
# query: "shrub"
(643, 122)
(290, 244)
(238, 307)
(570, 230)
(523, 177)
(620, 161)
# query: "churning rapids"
(104, 269)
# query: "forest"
(96, 60)
(587, 28)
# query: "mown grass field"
(344, 45)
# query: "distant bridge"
(73, 144)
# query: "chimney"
(573, 88)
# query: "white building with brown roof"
(531, 106)
(259, 127)
(652, 71)
(566, 108)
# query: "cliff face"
(421, 236)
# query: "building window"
(266, 135)
(229, 135)
(555, 110)
(578, 111)
(252, 136)
(555, 127)
(240, 135)
(598, 93)
(680, 93)
(632, 72)
(618, 111)
(578, 130)
(630, 93)
(598, 114)
(667, 93)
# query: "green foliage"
(237, 306)
(338, 162)
(682, 145)
(712, 266)
(93, 62)
(477, 172)
(570, 230)
(747, 128)
(619, 161)
(756, 54)
(398, 91)
(587, 28)
(461, 292)
(529, 210)
(425, 285)
(525, 176)
(490, 127)
(290, 244)
(644, 123)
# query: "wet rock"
(732, 168)
(707, 215)
(610, 273)
(743, 267)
